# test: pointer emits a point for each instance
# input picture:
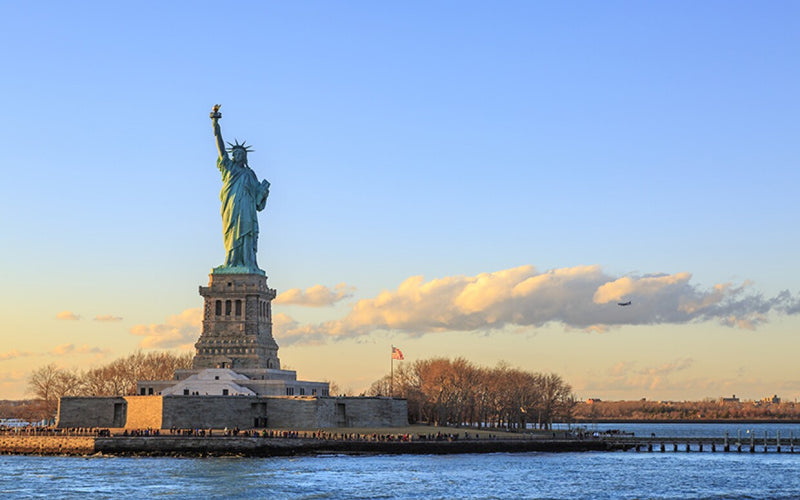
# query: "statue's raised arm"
(215, 116)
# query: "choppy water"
(595, 475)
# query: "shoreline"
(417, 439)
(682, 421)
(251, 446)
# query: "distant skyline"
(452, 178)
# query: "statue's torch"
(215, 114)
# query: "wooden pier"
(748, 443)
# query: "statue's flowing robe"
(241, 196)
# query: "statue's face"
(239, 155)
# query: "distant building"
(592, 401)
(774, 400)
(731, 400)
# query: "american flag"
(397, 353)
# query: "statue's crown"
(242, 146)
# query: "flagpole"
(391, 374)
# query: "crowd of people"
(315, 435)
(35, 430)
(321, 435)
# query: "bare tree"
(117, 378)
(456, 392)
(381, 387)
(49, 383)
(557, 401)
(42, 381)
(333, 388)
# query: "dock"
(747, 443)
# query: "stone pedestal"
(237, 324)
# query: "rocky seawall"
(47, 445)
(259, 446)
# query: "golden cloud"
(67, 316)
(68, 349)
(180, 330)
(315, 296)
(647, 285)
(107, 318)
(13, 354)
(582, 297)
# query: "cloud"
(14, 354)
(63, 349)
(67, 316)
(647, 285)
(625, 376)
(107, 318)
(654, 377)
(289, 331)
(180, 330)
(316, 296)
(69, 349)
(621, 368)
(582, 297)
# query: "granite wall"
(216, 412)
(144, 412)
(244, 412)
(91, 412)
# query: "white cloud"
(582, 297)
(646, 285)
(67, 316)
(315, 296)
(180, 330)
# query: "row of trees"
(439, 391)
(457, 392)
(685, 410)
(118, 378)
(29, 410)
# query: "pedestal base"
(237, 323)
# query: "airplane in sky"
(624, 303)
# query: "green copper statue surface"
(242, 196)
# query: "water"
(595, 475)
(624, 475)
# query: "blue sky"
(596, 142)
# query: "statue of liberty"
(241, 196)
